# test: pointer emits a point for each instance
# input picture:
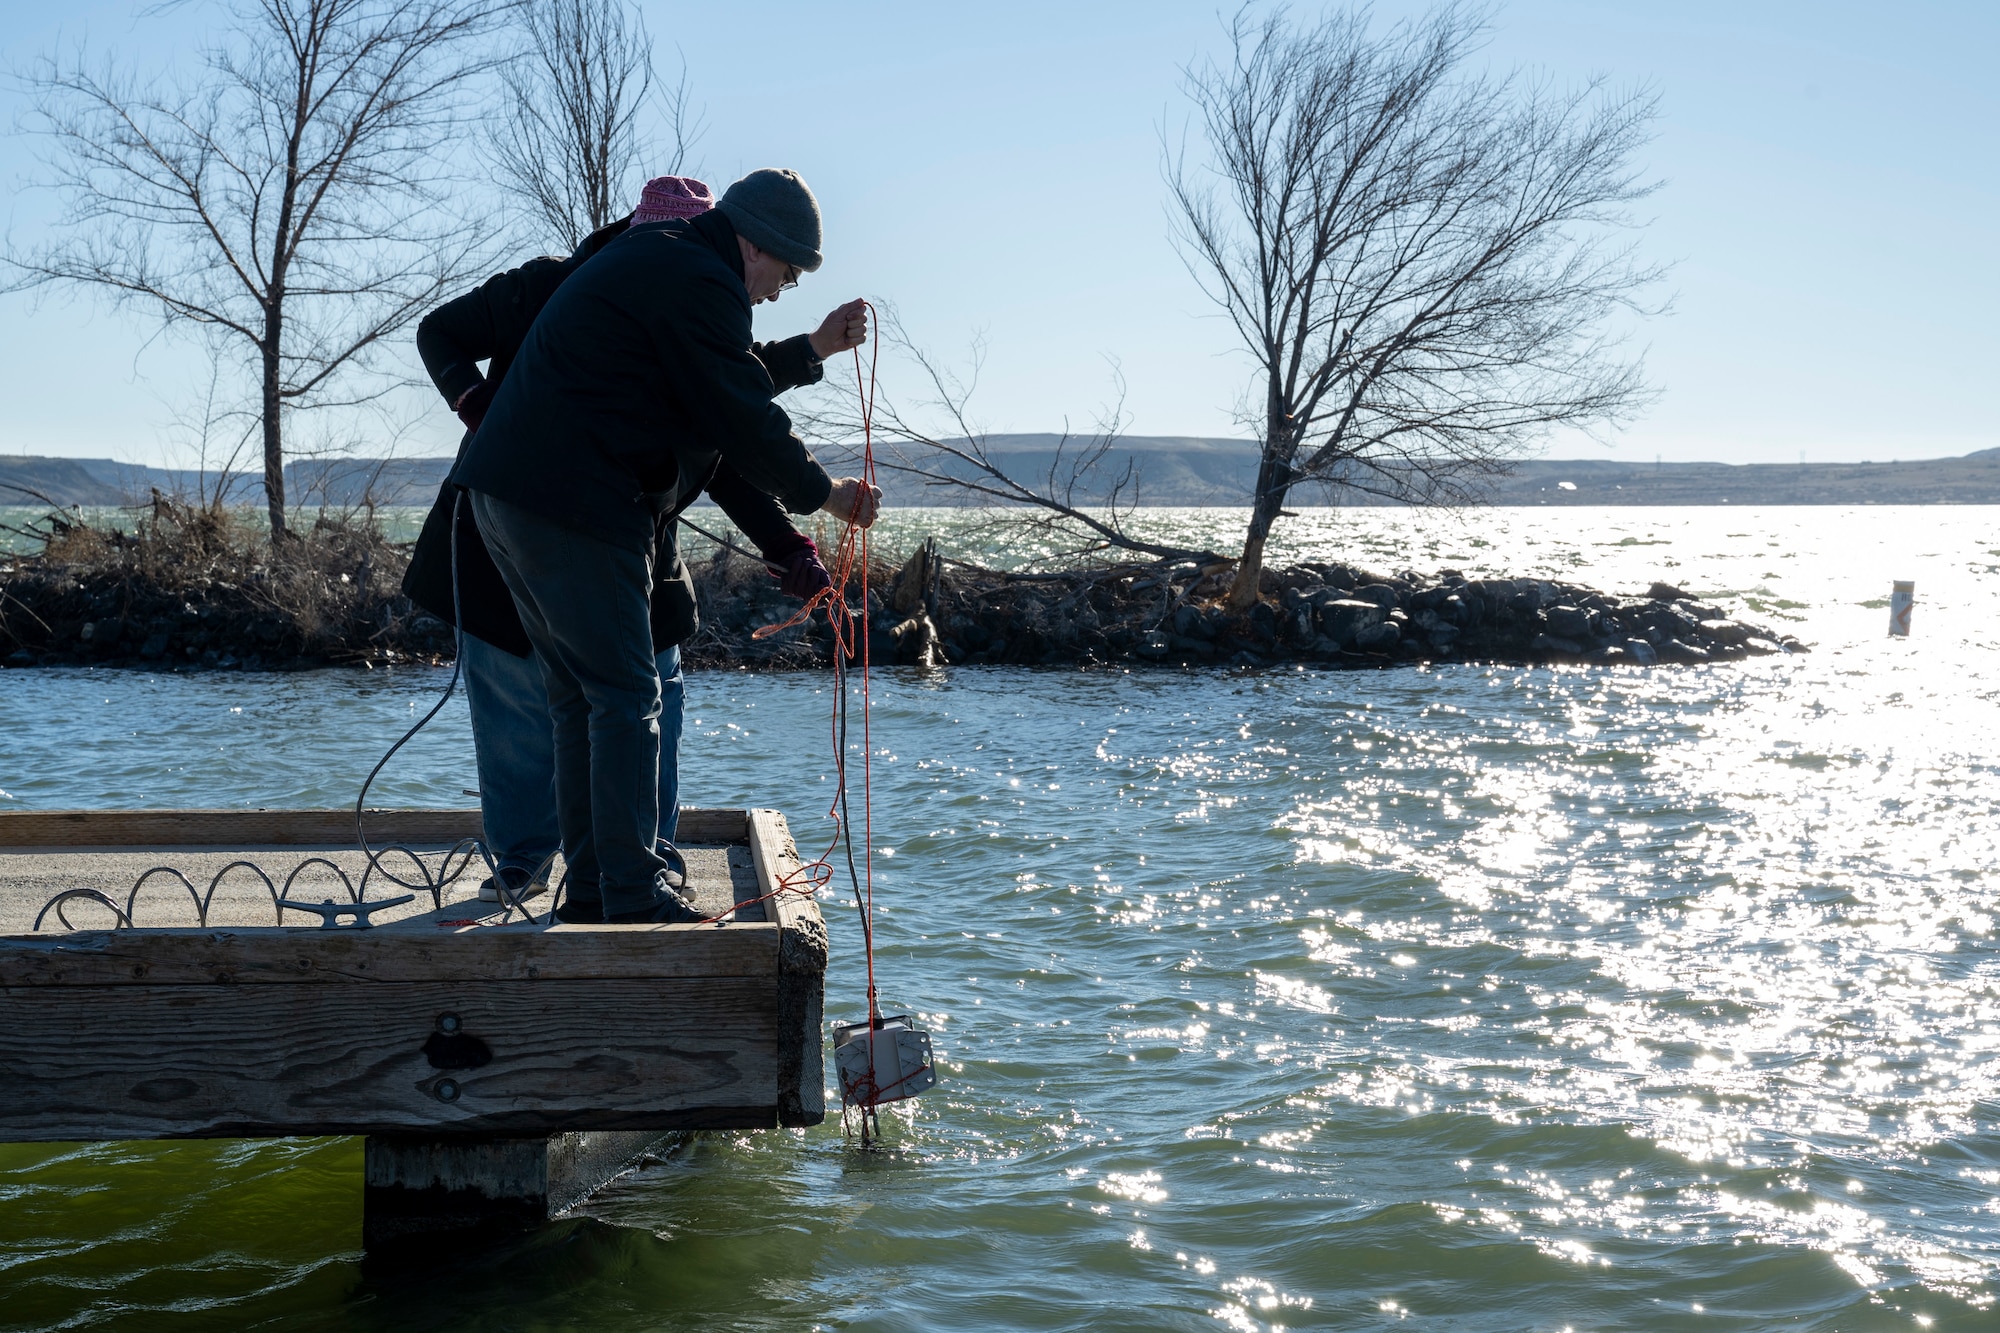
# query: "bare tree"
(1417, 258)
(287, 199)
(571, 144)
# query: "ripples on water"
(1477, 998)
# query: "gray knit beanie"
(773, 210)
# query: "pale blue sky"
(1830, 201)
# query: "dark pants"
(585, 604)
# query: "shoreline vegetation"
(204, 588)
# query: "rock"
(1641, 652)
(1344, 619)
(1379, 637)
(1553, 646)
(1726, 631)
(1381, 594)
(1444, 636)
(155, 645)
(1569, 622)
(1665, 592)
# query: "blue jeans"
(513, 740)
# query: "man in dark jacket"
(635, 383)
(511, 732)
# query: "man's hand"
(854, 501)
(844, 328)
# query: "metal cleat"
(331, 912)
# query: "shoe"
(671, 910)
(574, 913)
(675, 880)
(519, 886)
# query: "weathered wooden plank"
(802, 958)
(388, 954)
(119, 1062)
(704, 825)
(283, 828)
(777, 856)
(237, 828)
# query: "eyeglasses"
(792, 272)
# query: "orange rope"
(853, 552)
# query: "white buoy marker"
(1902, 596)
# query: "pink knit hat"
(668, 197)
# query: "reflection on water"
(1478, 998)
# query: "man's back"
(635, 372)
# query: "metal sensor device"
(885, 1063)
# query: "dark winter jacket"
(490, 323)
(637, 379)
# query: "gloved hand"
(472, 404)
(804, 577)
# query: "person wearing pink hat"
(511, 728)
(668, 197)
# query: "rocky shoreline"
(106, 599)
(935, 611)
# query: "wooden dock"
(445, 1035)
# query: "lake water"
(1470, 998)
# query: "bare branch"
(1073, 497)
(570, 145)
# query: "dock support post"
(423, 1186)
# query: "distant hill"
(338, 482)
(1181, 470)
(1171, 470)
(1971, 480)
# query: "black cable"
(374, 858)
(457, 665)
